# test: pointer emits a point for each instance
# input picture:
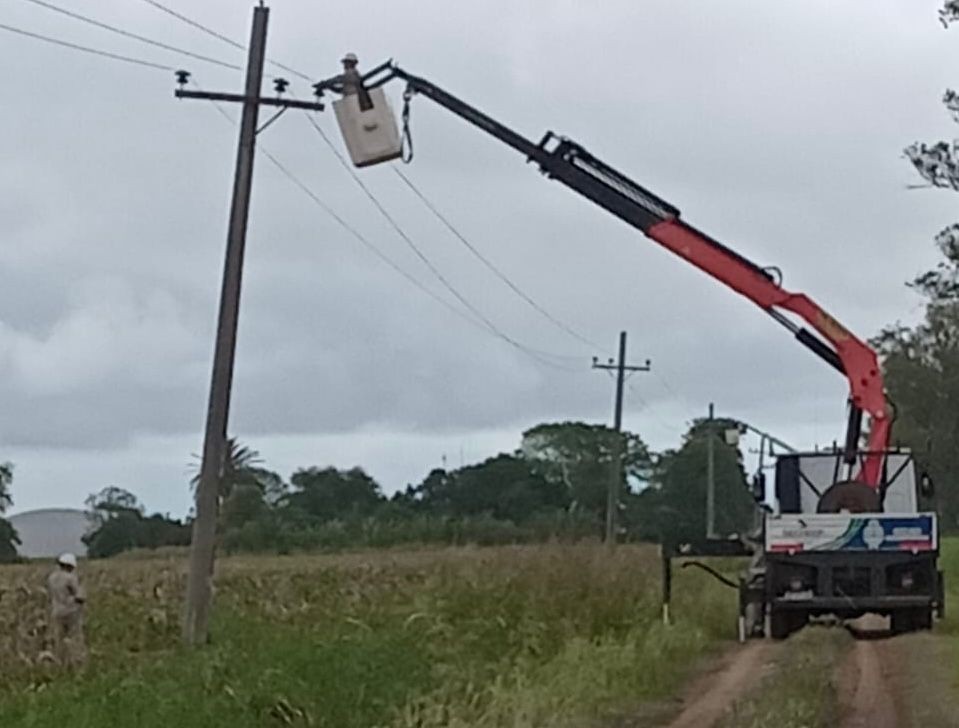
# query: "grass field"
(518, 636)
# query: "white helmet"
(350, 58)
(67, 560)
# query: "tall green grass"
(519, 636)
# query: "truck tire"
(922, 619)
(783, 623)
(913, 619)
(901, 621)
(940, 595)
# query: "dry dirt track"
(897, 682)
(710, 699)
(865, 694)
(879, 681)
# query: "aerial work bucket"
(371, 134)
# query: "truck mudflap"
(792, 533)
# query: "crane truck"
(842, 533)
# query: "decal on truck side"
(790, 533)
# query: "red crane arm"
(566, 161)
(859, 362)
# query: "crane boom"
(568, 162)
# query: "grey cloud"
(774, 127)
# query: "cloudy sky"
(775, 127)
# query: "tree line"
(553, 486)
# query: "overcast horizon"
(781, 136)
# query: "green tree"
(6, 481)
(9, 539)
(674, 506)
(109, 503)
(120, 525)
(118, 532)
(921, 362)
(505, 487)
(241, 466)
(327, 493)
(245, 503)
(921, 366)
(580, 456)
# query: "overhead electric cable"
(220, 36)
(424, 258)
(86, 49)
(134, 36)
(374, 249)
(491, 266)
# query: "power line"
(134, 36)
(220, 36)
(486, 324)
(86, 49)
(303, 187)
(286, 172)
(673, 430)
(195, 24)
(423, 257)
(491, 266)
(536, 354)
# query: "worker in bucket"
(351, 81)
(67, 600)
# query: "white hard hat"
(67, 560)
(350, 58)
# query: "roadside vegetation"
(552, 487)
(524, 635)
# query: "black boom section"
(601, 183)
(817, 346)
(559, 159)
(563, 160)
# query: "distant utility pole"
(711, 475)
(616, 476)
(200, 581)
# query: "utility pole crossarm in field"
(616, 477)
(199, 594)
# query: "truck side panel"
(843, 532)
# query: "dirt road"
(711, 697)
(865, 694)
(904, 681)
(823, 677)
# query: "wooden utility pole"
(199, 594)
(711, 474)
(617, 470)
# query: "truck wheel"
(901, 621)
(940, 596)
(778, 626)
(922, 618)
(911, 620)
(784, 623)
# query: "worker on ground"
(67, 600)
